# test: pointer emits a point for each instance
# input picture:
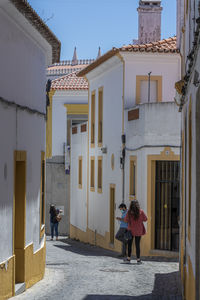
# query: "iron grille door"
(167, 205)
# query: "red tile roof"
(69, 82)
(163, 46)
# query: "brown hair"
(134, 209)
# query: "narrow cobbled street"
(77, 271)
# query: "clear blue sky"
(88, 24)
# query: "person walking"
(135, 218)
(122, 229)
(53, 221)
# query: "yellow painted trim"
(42, 231)
(89, 236)
(100, 142)
(92, 119)
(132, 159)
(92, 188)
(140, 78)
(49, 126)
(76, 109)
(42, 206)
(100, 190)
(189, 167)
(182, 227)
(190, 281)
(7, 278)
(34, 264)
(113, 161)
(19, 156)
(112, 185)
(166, 154)
(80, 175)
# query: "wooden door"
(19, 224)
(112, 214)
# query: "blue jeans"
(54, 226)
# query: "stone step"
(20, 288)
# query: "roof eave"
(25, 9)
(98, 62)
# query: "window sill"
(100, 191)
(131, 197)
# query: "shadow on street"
(90, 250)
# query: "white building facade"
(68, 106)
(188, 97)
(27, 47)
(133, 130)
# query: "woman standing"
(53, 221)
(135, 218)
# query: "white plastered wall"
(159, 124)
(23, 61)
(59, 117)
(112, 83)
(78, 197)
(166, 65)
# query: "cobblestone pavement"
(77, 271)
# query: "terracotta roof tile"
(163, 46)
(69, 82)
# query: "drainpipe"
(122, 158)
(122, 166)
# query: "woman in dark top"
(53, 221)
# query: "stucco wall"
(78, 196)
(8, 144)
(21, 59)
(158, 124)
(23, 63)
(166, 65)
(19, 135)
(99, 203)
(59, 117)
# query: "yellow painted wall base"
(34, 265)
(104, 241)
(34, 271)
(189, 282)
(7, 279)
(94, 239)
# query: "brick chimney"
(149, 26)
